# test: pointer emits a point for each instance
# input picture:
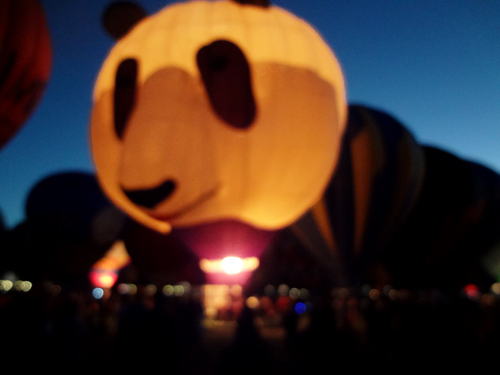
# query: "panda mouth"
(151, 197)
(188, 207)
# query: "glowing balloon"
(215, 110)
(25, 62)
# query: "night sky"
(433, 65)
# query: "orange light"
(103, 278)
(115, 258)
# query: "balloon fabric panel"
(396, 185)
(377, 180)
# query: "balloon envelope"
(376, 182)
(69, 226)
(247, 127)
(454, 223)
(25, 62)
(160, 258)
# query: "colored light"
(300, 308)
(252, 302)
(6, 285)
(168, 290)
(103, 278)
(495, 288)
(98, 293)
(472, 291)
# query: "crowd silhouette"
(345, 331)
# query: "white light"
(216, 265)
(178, 290)
(294, 293)
(98, 293)
(168, 290)
(6, 285)
(232, 265)
(132, 289)
(18, 285)
(495, 288)
(26, 286)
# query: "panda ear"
(260, 3)
(120, 17)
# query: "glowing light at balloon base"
(229, 270)
(104, 272)
(103, 278)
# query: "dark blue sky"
(435, 65)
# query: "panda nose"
(150, 197)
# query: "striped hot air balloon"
(377, 180)
(455, 223)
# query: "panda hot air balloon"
(235, 113)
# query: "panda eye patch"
(226, 76)
(218, 63)
(124, 94)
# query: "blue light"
(97, 293)
(300, 308)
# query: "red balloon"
(25, 62)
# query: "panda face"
(197, 121)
